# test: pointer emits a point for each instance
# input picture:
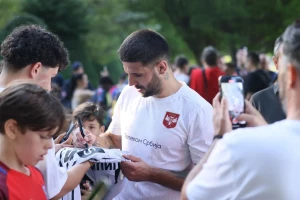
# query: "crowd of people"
(169, 121)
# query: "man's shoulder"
(263, 93)
(196, 72)
(254, 135)
(193, 98)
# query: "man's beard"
(153, 88)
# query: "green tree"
(226, 24)
(23, 19)
(70, 20)
(8, 9)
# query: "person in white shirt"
(164, 125)
(31, 53)
(182, 68)
(260, 162)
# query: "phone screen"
(234, 93)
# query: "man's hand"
(136, 170)
(79, 141)
(87, 191)
(67, 143)
(252, 116)
(221, 118)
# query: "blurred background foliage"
(93, 30)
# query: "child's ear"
(102, 129)
(11, 129)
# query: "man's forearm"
(168, 178)
(75, 175)
(196, 170)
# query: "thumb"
(245, 117)
(249, 108)
(68, 141)
(59, 138)
(132, 158)
(224, 108)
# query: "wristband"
(218, 137)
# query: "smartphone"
(231, 87)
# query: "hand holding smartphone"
(231, 87)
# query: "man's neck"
(252, 69)
(169, 86)
(9, 158)
(293, 111)
(6, 78)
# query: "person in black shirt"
(257, 79)
(267, 101)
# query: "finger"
(59, 138)
(245, 117)
(249, 108)
(66, 145)
(89, 137)
(68, 141)
(84, 192)
(79, 138)
(216, 101)
(224, 109)
(132, 158)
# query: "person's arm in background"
(195, 171)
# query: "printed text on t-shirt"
(143, 141)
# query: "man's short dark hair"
(31, 107)
(253, 58)
(31, 44)
(181, 61)
(291, 43)
(210, 56)
(144, 46)
(106, 80)
(88, 112)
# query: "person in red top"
(27, 124)
(206, 84)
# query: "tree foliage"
(226, 24)
(94, 29)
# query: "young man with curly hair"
(35, 54)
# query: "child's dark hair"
(88, 112)
(31, 107)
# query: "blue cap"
(76, 65)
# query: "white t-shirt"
(169, 133)
(55, 177)
(254, 163)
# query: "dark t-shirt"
(256, 81)
(268, 104)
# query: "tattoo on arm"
(180, 174)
